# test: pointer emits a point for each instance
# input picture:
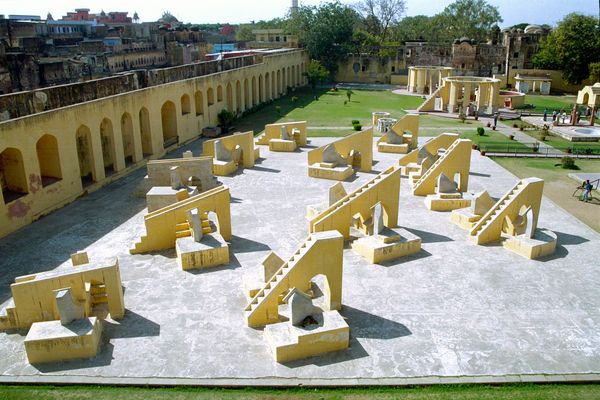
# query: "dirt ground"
(558, 187)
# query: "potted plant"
(536, 147)
(511, 137)
(515, 125)
(489, 124)
(494, 127)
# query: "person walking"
(545, 114)
(587, 190)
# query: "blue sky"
(236, 11)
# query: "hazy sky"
(236, 11)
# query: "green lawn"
(559, 143)
(433, 125)
(329, 110)
(494, 141)
(456, 392)
(551, 103)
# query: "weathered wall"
(137, 119)
(20, 104)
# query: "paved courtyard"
(454, 310)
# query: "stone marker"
(301, 306)
(377, 212)
(176, 183)
(482, 202)
(336, 193)
(80, 258)
(221, 152)
(195, 224)
(330, 155)
(271, 264)
(446, 185)
(284, 134)
(68, 309)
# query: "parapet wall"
(16, 105)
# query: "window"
(516, 55)
(393, 68)
(363, 68)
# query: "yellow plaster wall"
(162, 225)
(443, 141)
(321, 253)
(527, 192)
(273, 131)
(63, 123)
(244, 140)
(408, 123)
(384, 188)
(34, 297)
(361, 142)
(456, 160)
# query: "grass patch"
(329, 110)
(494, 141)
(562, 144)
(433, 125)
(551, 103)
(455, 392)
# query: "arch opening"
(12, 175)
(199, 102)
(108, 146)
(145, 132)
(48, 159)
(85, 155)
(169, 124)
(186, 107)
(128, 141)
(210, 96)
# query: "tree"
(571, 48)
(326, 31)
(595, 71)
(315, 73)
(381, 14)
(243, 33)
(418, 27)
(470, 18)
(168, 17)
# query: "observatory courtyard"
(448, 310)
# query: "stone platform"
(455, 309)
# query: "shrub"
(567, 162)
(225, 118)
(480, 131)
(355, 122)
(357, 127)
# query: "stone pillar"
(431, 83)
(411, 80)
(482, 96)
(493, 101)
(466, 96)
(421, 80)
(452, 97)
